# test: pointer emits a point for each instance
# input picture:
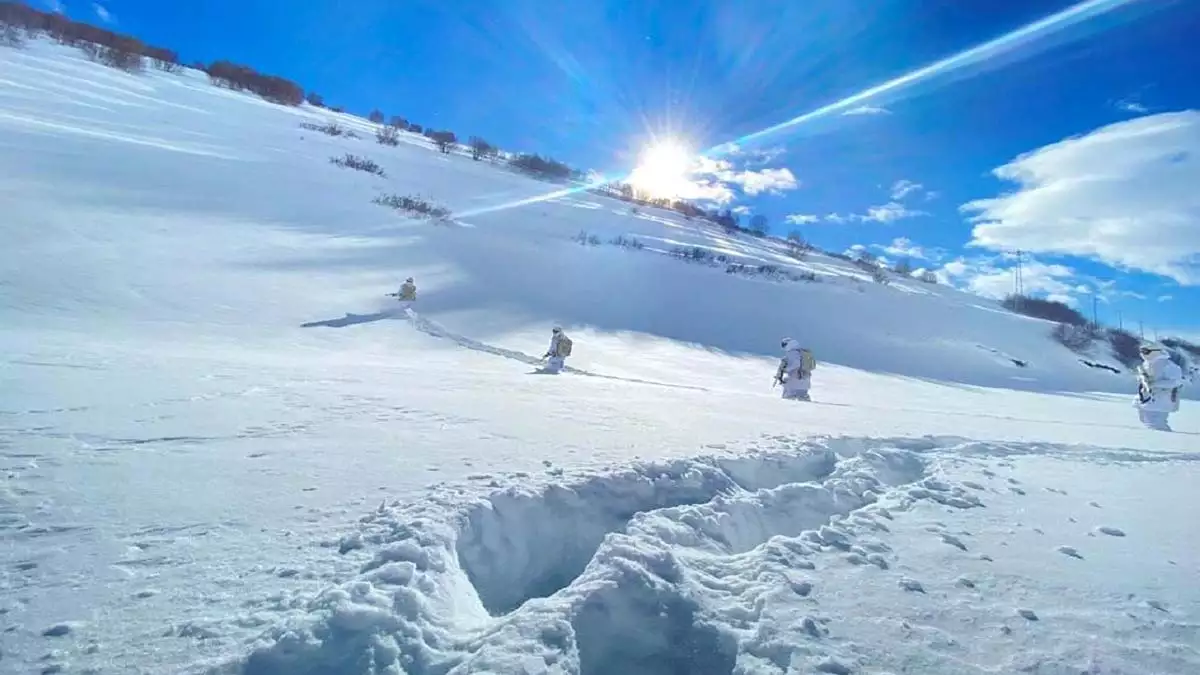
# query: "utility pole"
(1141, 330)
(1019, 279)
(1120, 320)
(1095, 315)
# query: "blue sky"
(1104, 114)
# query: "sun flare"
(662, 170)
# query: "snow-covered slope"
(223, 447)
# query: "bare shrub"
(692, 253)
(928, 277)
(903, 267)
(124, 55)
(165, 60)
(870, 264)
(11, 36)
(416, 206)
(244, 78)
(376, 116)
(542, 167)
(329, 128)
(1073, 337)
(481, 149)
(444, 140)
(1126, 347)
(388, 135)
(357, 163)
(585, 239)
(1183, 345)
(627, 242)
(315, 99)
(398, 122)
(1051, 310)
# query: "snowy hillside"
(223, 447)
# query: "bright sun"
(662, 170)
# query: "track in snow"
(435, 329)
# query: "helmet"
(789, 344)
(409, 280)
(556, 329)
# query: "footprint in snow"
(964, 582)
(1157, 605)
(1027, 614)
(1094, 504)
(954, 541)
(911, 585)
(1017, 490)
(1071, 551)
(1111, 531)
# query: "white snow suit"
(1159, 381)
(407, 295)
(555, 359)
(796, 381)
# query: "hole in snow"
(519, 545)
(636, 628)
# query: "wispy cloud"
(102, 13)
(55, 6)
(1165, 298)
(1124, 194)
(867, 110)
(993, 278)
(889, 213)
(715, 180)
(903, 247)
(802, 219)
(904, 187)
(1132, 105)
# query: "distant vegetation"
(127, 53)
(1075, 332)
(357, 163)
(413, 206)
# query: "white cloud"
(1131, 105)
(802, 219)
(867, 110)
(103, 13)
(889, 212)
(902, 247)
(714, 180)
(984, 277)
(1125, 194)
(882, 213)
(904, 187)
(1166, 298)
(767, 180)
(742, 210)
(56, 6)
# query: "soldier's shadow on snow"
(351, 320)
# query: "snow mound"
(643, 570)
(717, 564)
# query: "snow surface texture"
(203, 385)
